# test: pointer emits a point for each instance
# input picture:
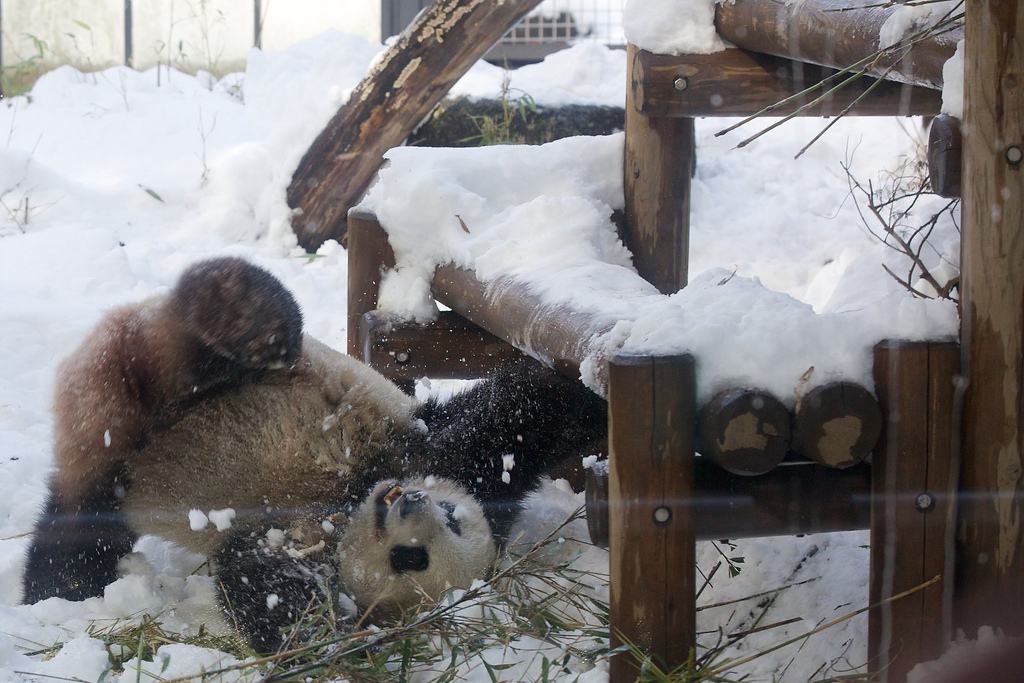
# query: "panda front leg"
(76, 548)
(264, 590)
(143, 367)
(500, 436)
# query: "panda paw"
(240, 312)
(268, 593)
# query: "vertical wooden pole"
(369, 255)
(913, 487)
(651, 404)
(658, 165)
(991, 552)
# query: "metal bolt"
(662, 515)
(924, 502)
(1014, 155)
(403, 357)
(680, 83)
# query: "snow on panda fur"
(211, 398)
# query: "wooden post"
(408, 80)
(651, 404)
(659, 162)
(369, 256)
(913, 503)
(991, 553)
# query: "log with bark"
(460, 122)
(401, 89)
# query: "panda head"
(410, 541)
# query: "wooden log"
(991, 553)
(401, 88)
(369, 255)
(454, 122)
(913, 505)
(740, 83)
(659, 161)
(651, 525)
(794, 498)
(945, 155)
(837, 424)
(558, 335)
(834, 33)
(451, 347)
(745, 431)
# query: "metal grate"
(565, 22)
(556, 24)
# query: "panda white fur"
(211, 398)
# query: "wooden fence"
(948, 456)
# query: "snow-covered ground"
(112, 182)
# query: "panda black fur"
(211, 397)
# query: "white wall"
(289, 21)
(213, 35)
(89, 34)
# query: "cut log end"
(745, 431)
(837, 425)
(945, 156)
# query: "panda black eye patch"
(406, 559)
(450, 520)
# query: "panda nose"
(412, 502)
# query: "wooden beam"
(834, 33)
(945, 156)
(991, 553)
(369, 255)
(558, 335)
(740, 83)
(651, 553)
(913, 504)
(837, 424)
(794, 498)
(451, 347)
(745, 431)
(659, 162)
(408, 80)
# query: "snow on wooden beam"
(834, 33)
(506, 307)
(408, 80)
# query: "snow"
(111, 184)
(909, 19)
(953, 84)
(672, 27)
(552, 228)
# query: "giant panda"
(211, 398)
